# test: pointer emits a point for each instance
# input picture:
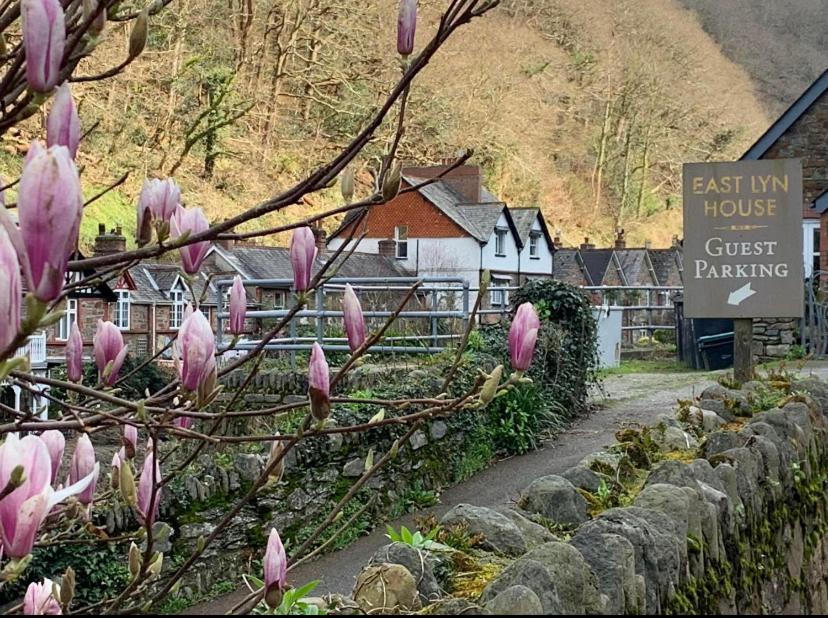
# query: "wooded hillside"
(585, 107)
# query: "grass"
(661, 365)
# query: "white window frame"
(179, 303)
(124, 298)
(500, 242)
(499, 297)
(279, 300)
(70, 316)
(534, 245)
(401, 241)
(810, 229)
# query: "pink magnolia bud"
(108, 345)
(74, 355)
(275, 569)
(55, 442)
(24, 509)
(63, 126)
(146, 496)
(130, 441)
(83, 464)
(353, 318)
(49, 206)
(238, 306)
(161, 197)
(197, 346)
(190, 220)
(11, 291)
(406, 26)
(302, 255)
(319, 389)
(39, 600)
(44, 37)
(522, 336)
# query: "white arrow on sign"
(738, 296)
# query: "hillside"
(585, 107)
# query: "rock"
(556, 499)
(533, 534)
(419, 563)
(667, 420)
(354, 468)
(711, 421)
(675, 439)
(576, 584)
(193, 531)
(720, 441)
(584, 478)
(438, 430)
(516, 601)
(602, 462)
(418, 440)
(249, 466)
(299, 499)
(531, 574)
(816, 389)
(612, 560)
(457, 607)
(386, 588)
(718, 406)
(501, 535)
(668, 499)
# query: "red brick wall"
(411, 209)
(467, 180)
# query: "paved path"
(627, 399)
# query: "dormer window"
(500, 242)
(534, 246)
(401, 242)
(178, 305)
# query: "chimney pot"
(101, 229)
(620, 239)
(648, 244)
(111, 243)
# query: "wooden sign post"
(743, 246)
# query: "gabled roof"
(525, 218)
(788, 118)
(636, 265)
(153, 282)
(821, 202)
(596, 262)
(568, 267)
(665, 260)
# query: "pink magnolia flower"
(275, 569)
(523, 335)
(160, 197)
(146, 495)
(130, 440)
(197, 348)
(190, 220)
(63, 126)
(83, 464)
(44, 38)
(39, 600)
(238, 306)
(24, 509)
(406, 26)
(108, 345)
(49, 206)
(353, 318)
(319, 389)
(11, 291)
(183, 422)
(56, 443)
(302, 255)
(74, 355)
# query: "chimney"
(586, 245)
(648, 244)
(321, 239)
(675, 244)
(227, 243)
(108, 243)
(620, 239)
(467, 180)
(557, 240)
(387, 247)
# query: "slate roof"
(790, 116)
(524, 220)
(567, 267)
(596, 262)
(635, 265)
(821, 202)
(664, 261)
(153, 282)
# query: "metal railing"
(438, 300)
(639, 317)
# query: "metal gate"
(815, 322)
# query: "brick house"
(455, 227)
(802, 132)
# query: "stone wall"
(720, 509)
(775, 338)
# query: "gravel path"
(627, 399)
